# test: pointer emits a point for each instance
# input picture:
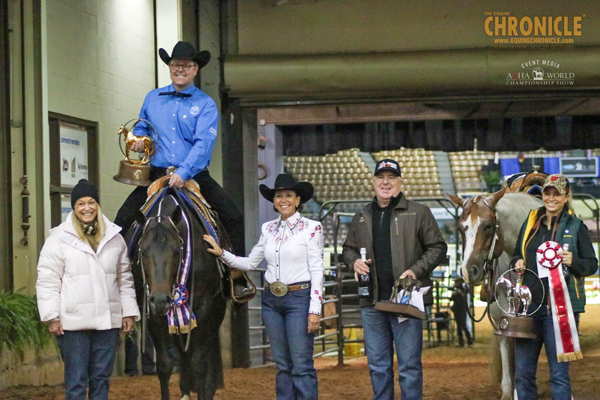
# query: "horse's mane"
(513, 209)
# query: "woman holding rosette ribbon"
(556, 246)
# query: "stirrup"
(242, 289)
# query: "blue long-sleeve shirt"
(187, 129)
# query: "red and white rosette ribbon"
(565, 330)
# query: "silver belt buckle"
(171, 170)
(279, 289)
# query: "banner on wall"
(65, 207)
(74, 154)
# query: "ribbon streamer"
(563, 319)
(180, 318)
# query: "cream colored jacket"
(82, 288)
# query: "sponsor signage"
(579, 167)
(73, 154)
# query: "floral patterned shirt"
(293, 250)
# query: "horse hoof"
(186, 397)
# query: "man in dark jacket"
(402, 239)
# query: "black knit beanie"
(83, 189)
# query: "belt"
(293, 287)
(159, 172)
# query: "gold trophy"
(135, 172)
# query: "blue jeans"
(527, 352)
(382, 331)
(88, 357)
(286, 323)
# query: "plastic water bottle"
(364, 281)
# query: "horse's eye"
(489, 227)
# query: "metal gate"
(340, 290)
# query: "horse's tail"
(500, 374)
(495, 361)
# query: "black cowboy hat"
(185, 51)
(287, 182)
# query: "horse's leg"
(186, 374)
(506, 383)
(206, 355)
(164, 362)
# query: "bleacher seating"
(466, 169)
(345, 176)
(339, 176)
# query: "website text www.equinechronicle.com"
(534, 40)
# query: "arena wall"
(101, 65)
(84, 59)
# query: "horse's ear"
(494, 198)
(456, 199)
(176, 216)
(140, 218)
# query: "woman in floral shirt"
(292, 245)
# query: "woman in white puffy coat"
(85, 293)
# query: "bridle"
(490, 263)
(176, 287)
(487, 263)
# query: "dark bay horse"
(170, 298)
(489, 226)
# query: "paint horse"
(489, 226)
(179, 288)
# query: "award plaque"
(402, 306)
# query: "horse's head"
(160, 251)
(122, 131)
(479, 229)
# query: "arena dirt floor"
(450, 373)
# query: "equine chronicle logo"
(540, 72)
(507, 29)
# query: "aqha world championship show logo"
(540, 72)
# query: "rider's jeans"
(286, 323)
(527, 352)
(88, 357)
(382, 331)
